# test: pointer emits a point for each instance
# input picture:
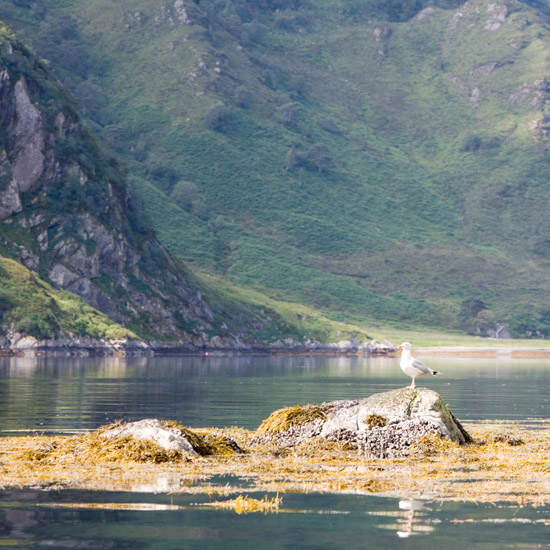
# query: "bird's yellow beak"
(400, 347)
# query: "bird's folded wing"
(421, 366)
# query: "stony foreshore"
(15, 345)
(82, 347)
(485, 352)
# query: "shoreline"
(512, 352)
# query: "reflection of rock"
(383, 425)
(412, 520)
(162, 483)
(17, 521)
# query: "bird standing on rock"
(413, 367)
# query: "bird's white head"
(405, 345)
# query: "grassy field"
(435, 339)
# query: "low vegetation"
(32, 307)
(279, 320)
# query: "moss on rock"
(283, 419)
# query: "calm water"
(69, 395)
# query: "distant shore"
(512, 352)
(516, 349)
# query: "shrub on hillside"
(218, 117)
(186, 195)
(243, 97)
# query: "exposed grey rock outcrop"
(383, 425)
(64, 345)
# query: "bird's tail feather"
(436, 372)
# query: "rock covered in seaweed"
(292, 425)
(152, 429)
(170, 436)
(383, 425)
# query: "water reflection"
(83, 519)
(413, 518)
(71, 394)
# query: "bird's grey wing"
(421, 367)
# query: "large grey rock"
(394, 407)
(383, 425)
(29, 133)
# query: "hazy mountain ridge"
(377, 159)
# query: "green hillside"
(376, 160)
(31, 307)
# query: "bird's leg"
(413, 385)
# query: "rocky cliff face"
(66, 213)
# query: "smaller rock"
(170, 436)
(509, 439)
(152, 429)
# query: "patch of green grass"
(284, 319)
(34, 308)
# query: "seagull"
(411, 366)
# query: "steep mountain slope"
(68, 215)
(32, 308)
(376, 159)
